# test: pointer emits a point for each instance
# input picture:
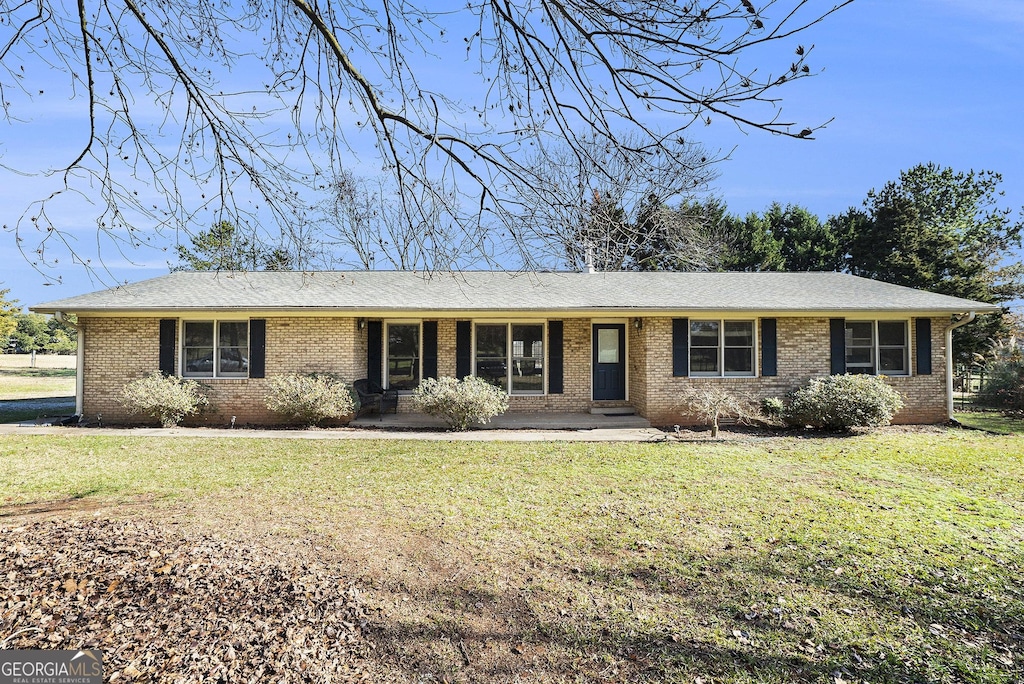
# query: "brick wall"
(117, 350)
(637, 360)
(803, 353)
(120, 349)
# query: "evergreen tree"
(754, 246)
(938, 230)
(224, 248)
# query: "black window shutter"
(556, 363)
(463, 348)
(769, 347)
(168, 344)
(257, 348)
(374, 350)
(924, 346)
(837, 338)
(430, 349)
(680, 347)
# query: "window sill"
(207, 378)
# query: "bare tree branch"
(202, 110)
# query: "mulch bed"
(169, 607)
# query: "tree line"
(933, 228)
(24, 333)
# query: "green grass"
(992, 421)
(887, 557)
(29, 383)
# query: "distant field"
(42, 361)
(32, 393)
(32, 383)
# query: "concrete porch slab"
(509, 421)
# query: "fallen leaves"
(163, 606)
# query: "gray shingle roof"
(612, 292)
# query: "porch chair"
(373, 397)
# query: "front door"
(609, 361)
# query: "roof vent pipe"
(958, 322)
(589, 257)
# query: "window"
(215, 349)
(511, 356)
(403, 356)
(877, 347)
(720, 348)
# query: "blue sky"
(907, 82)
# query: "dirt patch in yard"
(172, 600)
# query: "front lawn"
(889, 557)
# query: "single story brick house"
(566, 342)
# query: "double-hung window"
(877, 347)
(511, 356)
(721, 348)
(215, 349)
(403, 356)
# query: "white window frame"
(876, 347)
(721, 349)
(545, 355)
(385, 361)
(215, 373)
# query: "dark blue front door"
(609, 361)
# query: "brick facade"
(120, 349)
(803, 353)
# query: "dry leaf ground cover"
(889, 557)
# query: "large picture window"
(403, 356)
(215, 349)
(721, 348)
(511, 356)
(877, 347)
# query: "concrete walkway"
(574, 427)
(548, 420)
(598, 435)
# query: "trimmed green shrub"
(460, 403)
(840, 402)
(167, 398)
(310, 398)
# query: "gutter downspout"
(959, 322)
(80, 363)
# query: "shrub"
(1004, 377)
(840, 402)
(310, 398)
(165, 397)
(711, 403)
(460, 403)
(773, 409)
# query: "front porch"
(547, 420)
